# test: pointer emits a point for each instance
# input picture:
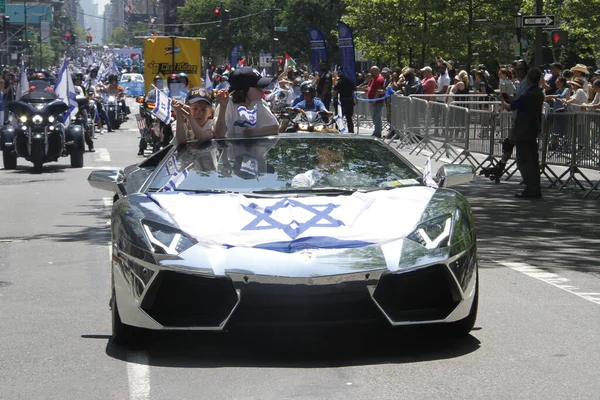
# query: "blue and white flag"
(248, 117)
(23, 85)
(172, 165)
(162, 110)
(294, 224)
(1, 109)
(263, 72)
(339, 118)
(175, 181)
(208, 82)
(427, 177)
(65, 90)
(101, 71)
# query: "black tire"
(9, 158)
(77, 158)
(121, 334)
(37, 156)
(465, 326)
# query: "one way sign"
(535, 21)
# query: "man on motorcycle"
(114, 89)
(85, 115)
(310, 102)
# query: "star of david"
(265, 221)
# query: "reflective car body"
(203, 251)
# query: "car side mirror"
(104, 180)
(454, 174)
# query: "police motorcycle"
(39, 135)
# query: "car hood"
(294, 224)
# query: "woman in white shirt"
(579, 96)
(243, 113)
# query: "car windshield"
(284, 164)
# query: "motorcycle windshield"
(312, 116)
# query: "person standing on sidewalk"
(345, 88)
(376, 91)
(525, 131)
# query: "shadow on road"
(305, 348)
(557, 232)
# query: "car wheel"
(77, 159)
(9, 158)
(465, 325)
(121, 333)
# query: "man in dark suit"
(525, 131)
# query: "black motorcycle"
(40, 135)
(154, 132)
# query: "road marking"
(103, 168)
(102, 154)
(552, 279)
(138, 375)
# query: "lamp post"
(519, 28)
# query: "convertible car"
(295, 229)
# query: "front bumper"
(178, 297)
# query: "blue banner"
(347, 51)
(234, 56)
(318, 47)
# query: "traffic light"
(218, 10)
(68, 37)
(225, 17)
(280, 61)
(559, 38)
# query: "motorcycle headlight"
(303, 127)
(434, 233)
(23, 118)
(51, 119)
(319, 128)
(37, 119)
(167, 240)
(111, 98)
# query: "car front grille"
(301, 304)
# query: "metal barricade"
(362, 112)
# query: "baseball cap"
(197, 94)
(556, 65)
(385, 70)
(426, 69)
(247, 77)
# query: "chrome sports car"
(288, 230)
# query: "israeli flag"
(101, 71)
(162, 110)
(172, 165)
(339, 118)
(23, 85)
(65, 91)
(1, 109)
(294, 224)
(248, 117)
(175, 181)
(208, 82)
(427, 177)
(263, 72)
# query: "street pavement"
(535, 337)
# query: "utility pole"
(26, 41)
(538, 37)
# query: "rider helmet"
(308, 87)
(39, 76)
(181, 76)
(172, 79)
(157, 78)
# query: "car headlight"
(51, 119)
(434, 233)
(303, 127)
(319, 128)
(167, 240)
(23, 118)
(37, 119)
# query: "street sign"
(265, 60)
(281, 29)
(2, 6)
(538, 21)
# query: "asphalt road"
(536, 336)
